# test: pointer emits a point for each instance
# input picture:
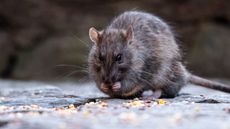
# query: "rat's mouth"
(114, 88)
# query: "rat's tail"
(208, 83)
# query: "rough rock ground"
(68, 105)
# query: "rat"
(137, 52)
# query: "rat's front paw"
(104, 87)
(116, 86)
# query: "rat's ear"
(94, 35)
(129, 33)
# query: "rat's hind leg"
(170, 91)
(175, 79)
(172, 88)
(155, 94)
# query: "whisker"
(69, 65)
(82, 41)
(72, 73)
(67, 74)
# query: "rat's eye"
(118, 58)
(101, 58)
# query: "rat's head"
(110, 59)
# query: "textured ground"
(35, 105)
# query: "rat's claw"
(116, 86)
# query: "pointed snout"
(112, 86)
(109, 80)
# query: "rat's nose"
(107, 81)
(109, 84)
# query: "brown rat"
(138, 52)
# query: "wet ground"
(68, 105)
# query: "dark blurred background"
(48, 39)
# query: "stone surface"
(35, 105)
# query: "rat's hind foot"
(155, 95)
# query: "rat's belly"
(133, 92)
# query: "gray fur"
(151, 59)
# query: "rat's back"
(140, 21)
(151, 32)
